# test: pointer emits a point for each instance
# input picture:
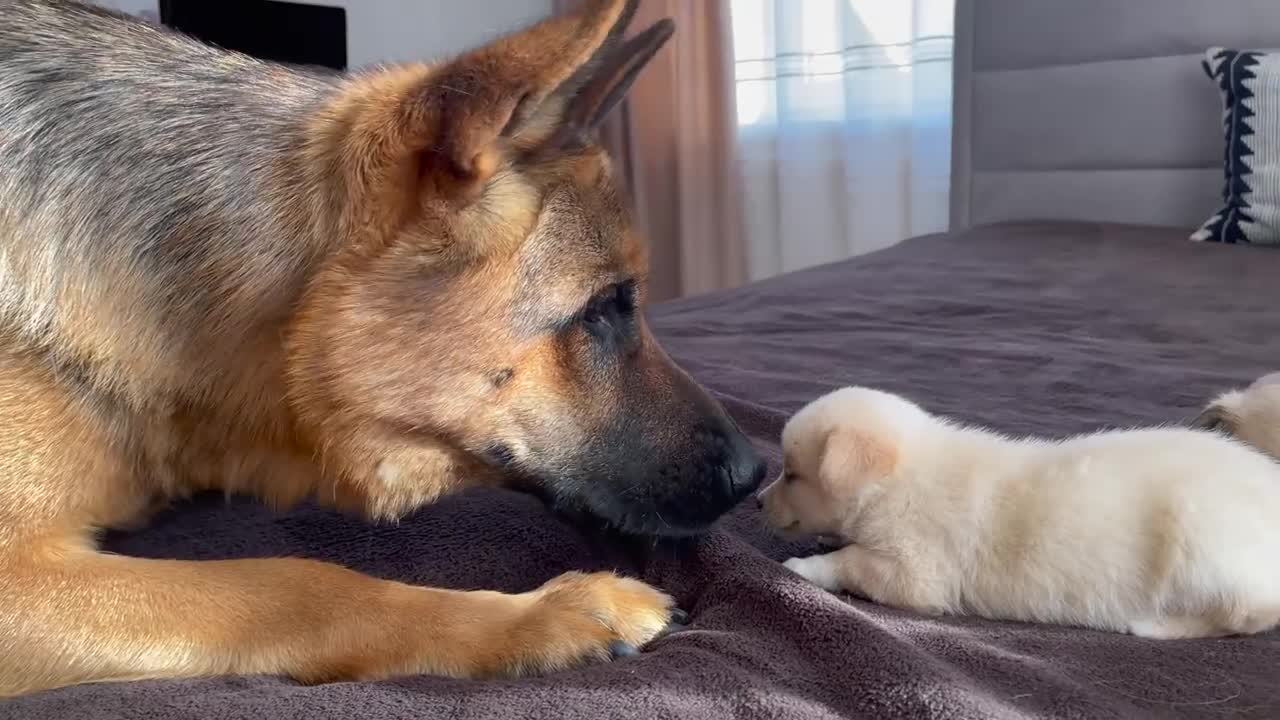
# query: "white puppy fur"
(1251, 415)
(1163, 533)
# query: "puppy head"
(487, 305)
(1251, 415)
(838, 451)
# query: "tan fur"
(405, 193)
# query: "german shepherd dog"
(370, 289)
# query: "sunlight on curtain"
(844, 125)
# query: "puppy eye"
(788, 477)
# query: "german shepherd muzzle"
(369, 289)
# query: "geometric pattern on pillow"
(1249, 82)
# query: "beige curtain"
(844, 126)
(674, 138)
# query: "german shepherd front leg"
(73, 615)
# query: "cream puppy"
(1163, 533)
(1251, 415)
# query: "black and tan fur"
(370, 289)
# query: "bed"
(1066, 297)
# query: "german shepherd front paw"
(580, 617)
(399, 630)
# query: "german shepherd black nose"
(728, 471)
(745, 468)
(650, 486)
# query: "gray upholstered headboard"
(1093, 110)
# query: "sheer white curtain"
(844, 125)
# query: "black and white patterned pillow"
(1250, 85)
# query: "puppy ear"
(440, 126)
(849, 453)
(1217, 418)
(1221, 414)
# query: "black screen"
(281, 31)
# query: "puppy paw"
(577, 618)
(814, 569)
(797, 566)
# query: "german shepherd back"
(370, 289)
(124, 158)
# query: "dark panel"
(281, 31)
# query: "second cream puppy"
(1251, 415)
(1163, 533)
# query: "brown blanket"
(1028, 328)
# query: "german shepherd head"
(486, 308)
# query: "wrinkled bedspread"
(1034, 328)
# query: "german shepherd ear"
(600, 86)
(562, 72)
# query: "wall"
(137, 7)
(381, 30)
(392, 30)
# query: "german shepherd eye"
(612, 308)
